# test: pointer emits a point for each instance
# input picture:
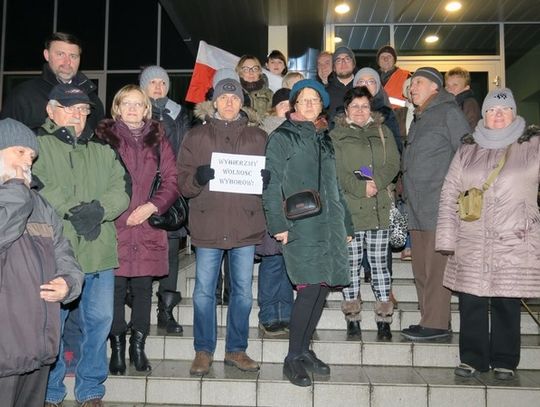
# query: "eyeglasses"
(127, 103)
(254, 69)
(365, 82)
(313, 102)
(82, 110)
(364, 108)
(343, 60)
(492, 111)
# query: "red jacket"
(142, 249)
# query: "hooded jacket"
(27, 101)
(362, 146)
(336, 90)
(75, 170)
(433, 139)
(497, 255)
(220, 220)
(33, 251)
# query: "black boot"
(117, 365)
(383, 331)
(137, 357)
(353, 329)
(167, 301)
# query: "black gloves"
(204, 174)
(86, 219)
(265, 174)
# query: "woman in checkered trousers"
(367, 161)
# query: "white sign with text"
(237, 173)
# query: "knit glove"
(86, 216)
(204, 174)
(265, 174)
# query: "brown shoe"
(242, 361)
(201, 364)
(92, 403)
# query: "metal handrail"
(530, 312)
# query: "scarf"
(320, 123)
(499, 138)
(252, 86)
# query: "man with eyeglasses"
(342, 80)
(85, 183)
(26, 102)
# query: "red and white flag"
(209, 60)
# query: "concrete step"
(372, 386)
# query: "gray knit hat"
(430, 73)
(343, 50)
(153, 72)
(14, 133)
(499, 97)
(228, 86)
(368, 72)
(224, 73)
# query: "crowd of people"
(77, 192)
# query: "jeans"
(240, 300)
(275, 292)
(95, 318)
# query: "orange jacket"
(394, 86)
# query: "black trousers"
(482, 347)
(170, 282)
(141, 292)
(24, 390)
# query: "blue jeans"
(95, 318)
(275, 292)
(240, 299)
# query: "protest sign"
(237, 173)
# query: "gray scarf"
(499, 138)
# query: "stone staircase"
(364, 372)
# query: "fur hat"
(499, 97)
(154, 72)
(430, 73)
(389, 49)
(313, 84)
(228, 85)
(14, 133)
(368, 72)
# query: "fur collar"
(530, 131)
(206, 109)
(108, 130)
(341, 120)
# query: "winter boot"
(117, 365)
(137, 357)
(166, 303)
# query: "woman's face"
(309, 104)
(498, 117)
(359, 111)
(133, 108)
(369, 82)
(250, 71)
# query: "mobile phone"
(364, 174)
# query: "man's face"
(16, 161)
(456, 84)
(275, 65)
(422, 89)
(63, 59)
(156, 88)
(228, 106)
(343, 66)
(324, 66)
(66, 116)
(386, 61)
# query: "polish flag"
(209, 60)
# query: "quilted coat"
(499, 254)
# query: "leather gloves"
(204, 174)
(265, 174)
(86, 219)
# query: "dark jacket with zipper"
(33, 251)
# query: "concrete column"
(277, 39)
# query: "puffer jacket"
(33, 251)
(220, 220)
(316, 251)
(434, 137)
(499, 254)
(362, 146)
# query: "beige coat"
(499, 254)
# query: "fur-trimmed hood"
(341, 120)
(206, 109)
(110, 131)
(530, 131)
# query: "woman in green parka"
(314, 248)
(367, 161)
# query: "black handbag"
(177, 215)
(306, 203)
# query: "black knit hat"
(430, 73)
(280, 96)
(389, 49)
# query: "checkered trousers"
(376, 243)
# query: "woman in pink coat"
(495, 260)
(142, 249)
